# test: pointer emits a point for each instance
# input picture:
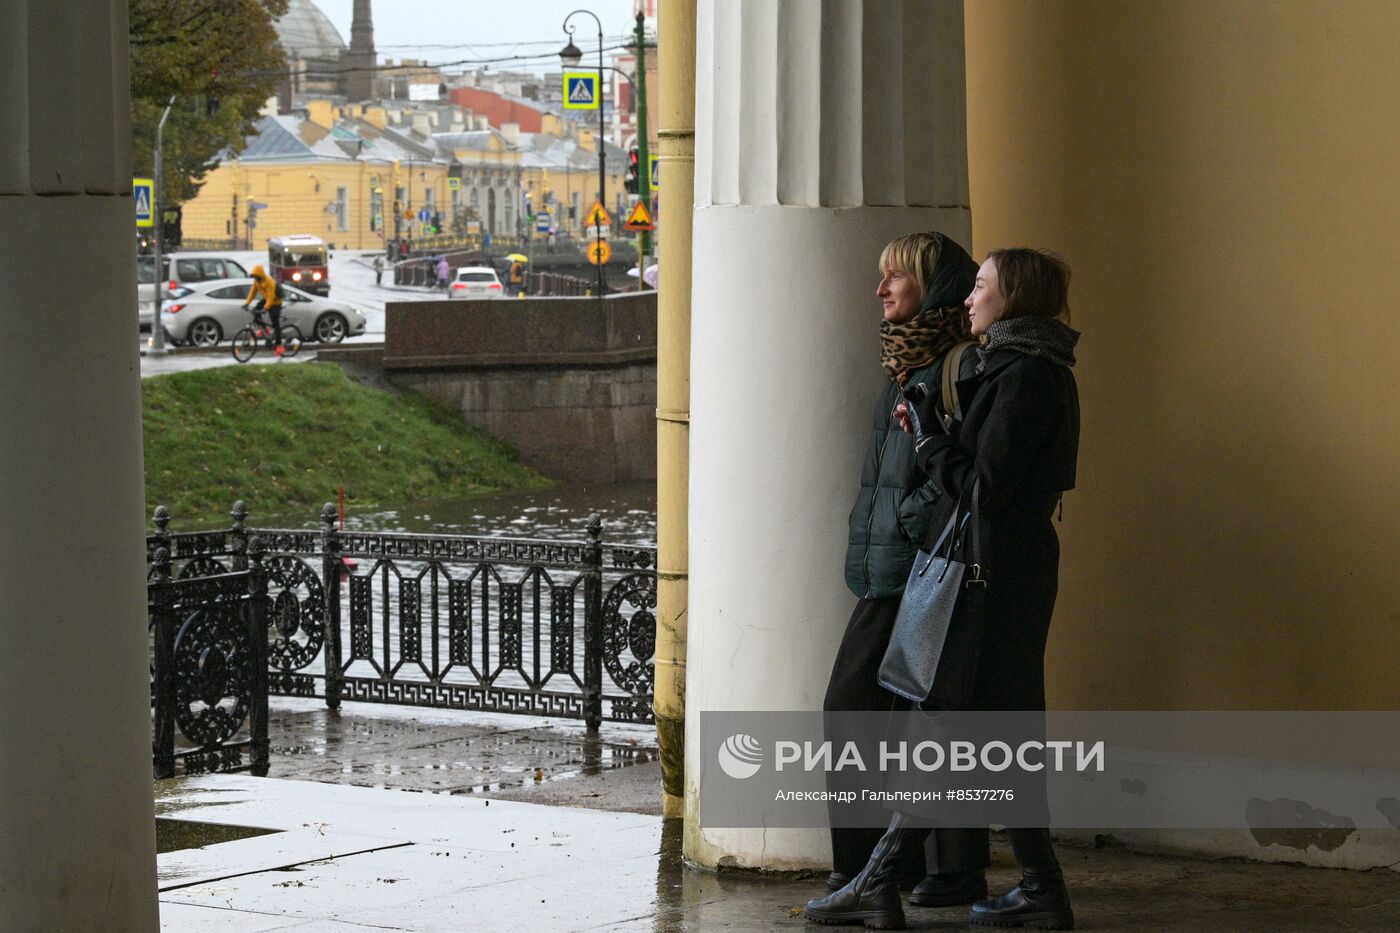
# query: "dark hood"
(954, 274)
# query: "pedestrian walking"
(378, 265)
(443, 271)
(1018, 441)
(923, 280)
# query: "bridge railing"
(556, 628)
(208, 668)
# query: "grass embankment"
(285, 438)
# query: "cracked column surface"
(823, 131)
(77, 830)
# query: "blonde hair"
(913, 254)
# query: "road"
(352, 280)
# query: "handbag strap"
(952, 365)
(968, 519)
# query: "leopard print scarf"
(920, 341)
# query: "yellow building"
(560, 174)
(338, 171)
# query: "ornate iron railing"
(555, 628)
(208, 668)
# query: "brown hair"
(913, 254)
(1034, 282)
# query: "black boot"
(871, 897)
(949, 889)
(1040, 901)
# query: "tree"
(221, 60)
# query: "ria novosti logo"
(740, 756)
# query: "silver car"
(206, 313)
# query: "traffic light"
(170, 226)
(633, 181)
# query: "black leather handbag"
(944, 594)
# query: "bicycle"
(245, 342)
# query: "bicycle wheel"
(291, 339)
(245, 345)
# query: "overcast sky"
(451, 30)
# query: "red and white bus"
(300, 260)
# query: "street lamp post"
(157, 334)
(571, 56)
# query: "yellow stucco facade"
(306, 197)
(1221, 176)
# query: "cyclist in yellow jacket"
(269, 296)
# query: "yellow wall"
(294, 205)
(1222, 177)
(564, 183)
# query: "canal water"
(558, 513)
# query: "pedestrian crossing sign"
(598, 216)
(143, 192)
(580, 90)
(454, 183)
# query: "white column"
(77, 837)
(824, 129)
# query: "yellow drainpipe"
(676, 156)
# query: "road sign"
(599, 252)
(543, 222)
(597, 216)
(453, 184)
(639, 219)
(580, 90)
(654, 170)
(143, 191)
(424, 215)
(257, 205)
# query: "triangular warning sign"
(582, 91)
(598, 216)
(639, 219)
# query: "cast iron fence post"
(257, 624)
(159, 596)
(238, 536)
(331, 566)
(160, 520)
(593, 625)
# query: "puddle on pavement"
(175, 834)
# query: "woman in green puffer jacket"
(924, 278)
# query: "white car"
(204, 314)
(181, 269)
(475, 282)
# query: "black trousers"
(853, 688)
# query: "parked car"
(475, 282)
(204, 314)
(179, 269)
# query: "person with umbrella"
(516, 274)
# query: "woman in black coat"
(1019, 435)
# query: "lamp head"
(570, 54)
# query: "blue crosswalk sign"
(580, 90)
(143, 192)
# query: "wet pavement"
(531, 824)
(528, 758)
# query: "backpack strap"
(952, 363)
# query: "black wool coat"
(1019, 436)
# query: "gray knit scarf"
(1033, 336)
